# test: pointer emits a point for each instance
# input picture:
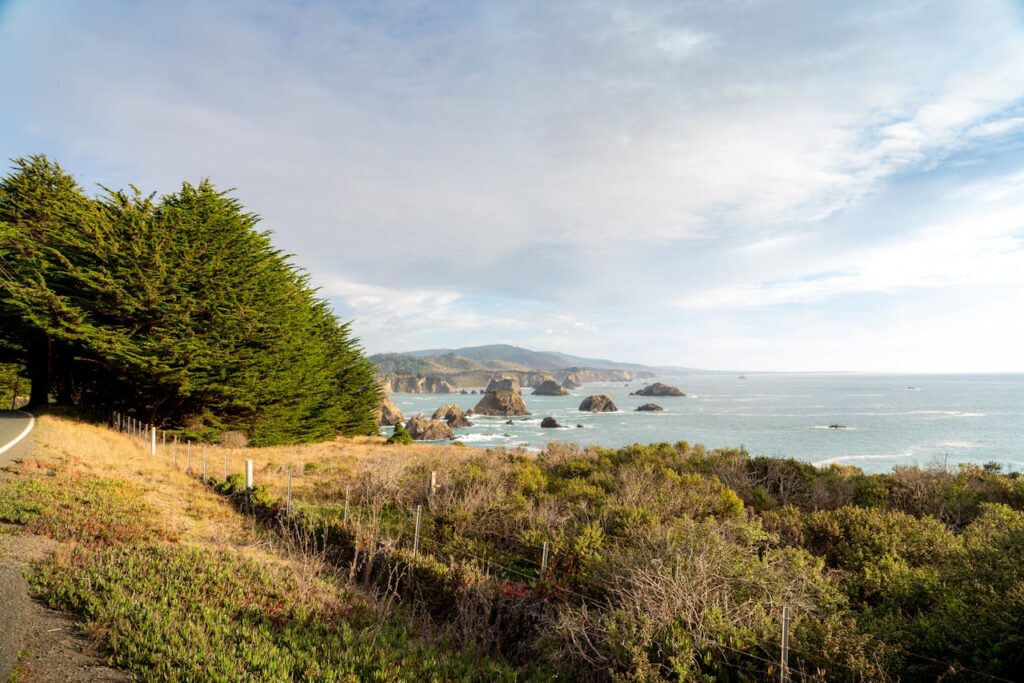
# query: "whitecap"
(909, 453)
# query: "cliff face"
(578, 376)
(452, 382)
(420, 385)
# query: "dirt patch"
(51, 646)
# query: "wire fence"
(404, 529)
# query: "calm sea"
(890, 419)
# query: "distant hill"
(529, 360)
(441, 364)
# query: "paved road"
(14, 602)
(14, 429)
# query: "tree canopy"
(177, 309)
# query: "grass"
(177, 585)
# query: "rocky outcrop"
(422, 429)
(649, 408)
(453, 415)
(659, 389)
(550, 423)
(598, 403)
(388, 413)
(574, 377)
(502, 397)
(459, 380)
(550, 388)
(407, 384)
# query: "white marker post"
(248, 475)
(152, 441)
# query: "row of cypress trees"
(177, 309)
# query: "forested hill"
(518, 358)
(176, 310)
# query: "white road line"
(26, 432)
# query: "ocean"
(889, 420)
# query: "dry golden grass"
(194, 513)
(183, 505)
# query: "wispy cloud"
(984, 250)
(586, 165)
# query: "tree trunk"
(39, 369)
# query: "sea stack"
(598, 403)
(422, 429)
(659, 389)
(389, 413)
(453, 415)
(550, 387)
(502, 397)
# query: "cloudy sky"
(744, 184)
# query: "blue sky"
(738, 185)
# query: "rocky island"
(550, 387)
(659, 389)
(502, 397)
(598, 403)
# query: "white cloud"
(580, 162)
(983, 250)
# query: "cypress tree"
(181, 308)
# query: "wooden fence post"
(288, 504)
(416, 538)
(544, 558)
(348, 493)
(784, 663)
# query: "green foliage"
(12, 385)
(177, 308)
(87, 510)
(400, 435)
(232, 619)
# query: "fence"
(406, 532)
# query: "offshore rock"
(389, 413)
(659, 389)
(453, 415)
(502, 397)
(422, 429)
(550, 388)
(649, 408)
(598, 403)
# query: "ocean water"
(890, 419)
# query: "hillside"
(660, 562)
(447, 370)
(532, 360)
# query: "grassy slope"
(177, 585)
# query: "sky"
(744, 184)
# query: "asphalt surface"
(14, 601)
(13, 424)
